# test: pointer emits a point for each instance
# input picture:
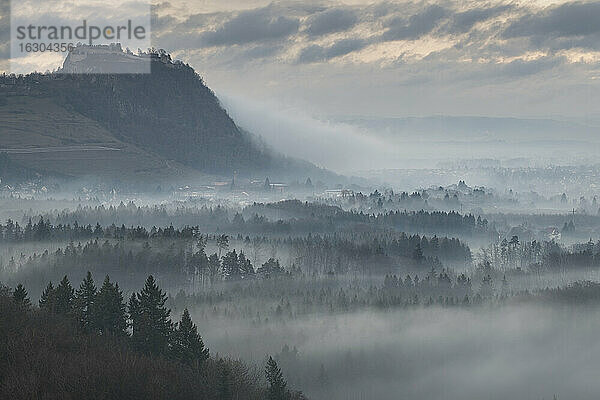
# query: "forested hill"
(169, 114)
(89, 344)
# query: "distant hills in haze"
(161, 125)
(429, 141)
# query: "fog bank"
(512, 352)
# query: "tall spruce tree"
(277, 385)
(188, 346)
(48, 299)
(231, 265)
(20, 296)
(151, 323)
(64, 297)
(110, 309)
(84, 304)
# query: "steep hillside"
(43, 136)
(168, 120)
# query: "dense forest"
(182, 255)
(284, 217)
(88, 343)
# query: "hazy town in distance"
(289, 200)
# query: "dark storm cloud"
(571, 19)
(331, 20)
(316, 53)
(251, 26)
(417, 25)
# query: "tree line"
(43, 230)
(183, 256)
(145, 319)
(144, 325)
(289, 217)
(258, 301)
(536, 256)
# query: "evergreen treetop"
(188, 346)
(20, 296)
(277, 385)
(85, 299)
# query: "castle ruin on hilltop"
(111, 58)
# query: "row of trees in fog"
(281, 300)
(260, 300)
(43, 230)
(182, 255)
(285, 217)
(536, 256)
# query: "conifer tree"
(222, 243)
(270, 268)
(64, 297)
(84, 304)
(152, 326)
(231, 266)
(188, 346)
(48, 299)
(277, 385)
(20, 296)
(245, 266)
(110, 309)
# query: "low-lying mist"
(337, 146)
(361, 144)
(524, 351)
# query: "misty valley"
(354, 295)
(372, 200)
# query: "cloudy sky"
(362, 57)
